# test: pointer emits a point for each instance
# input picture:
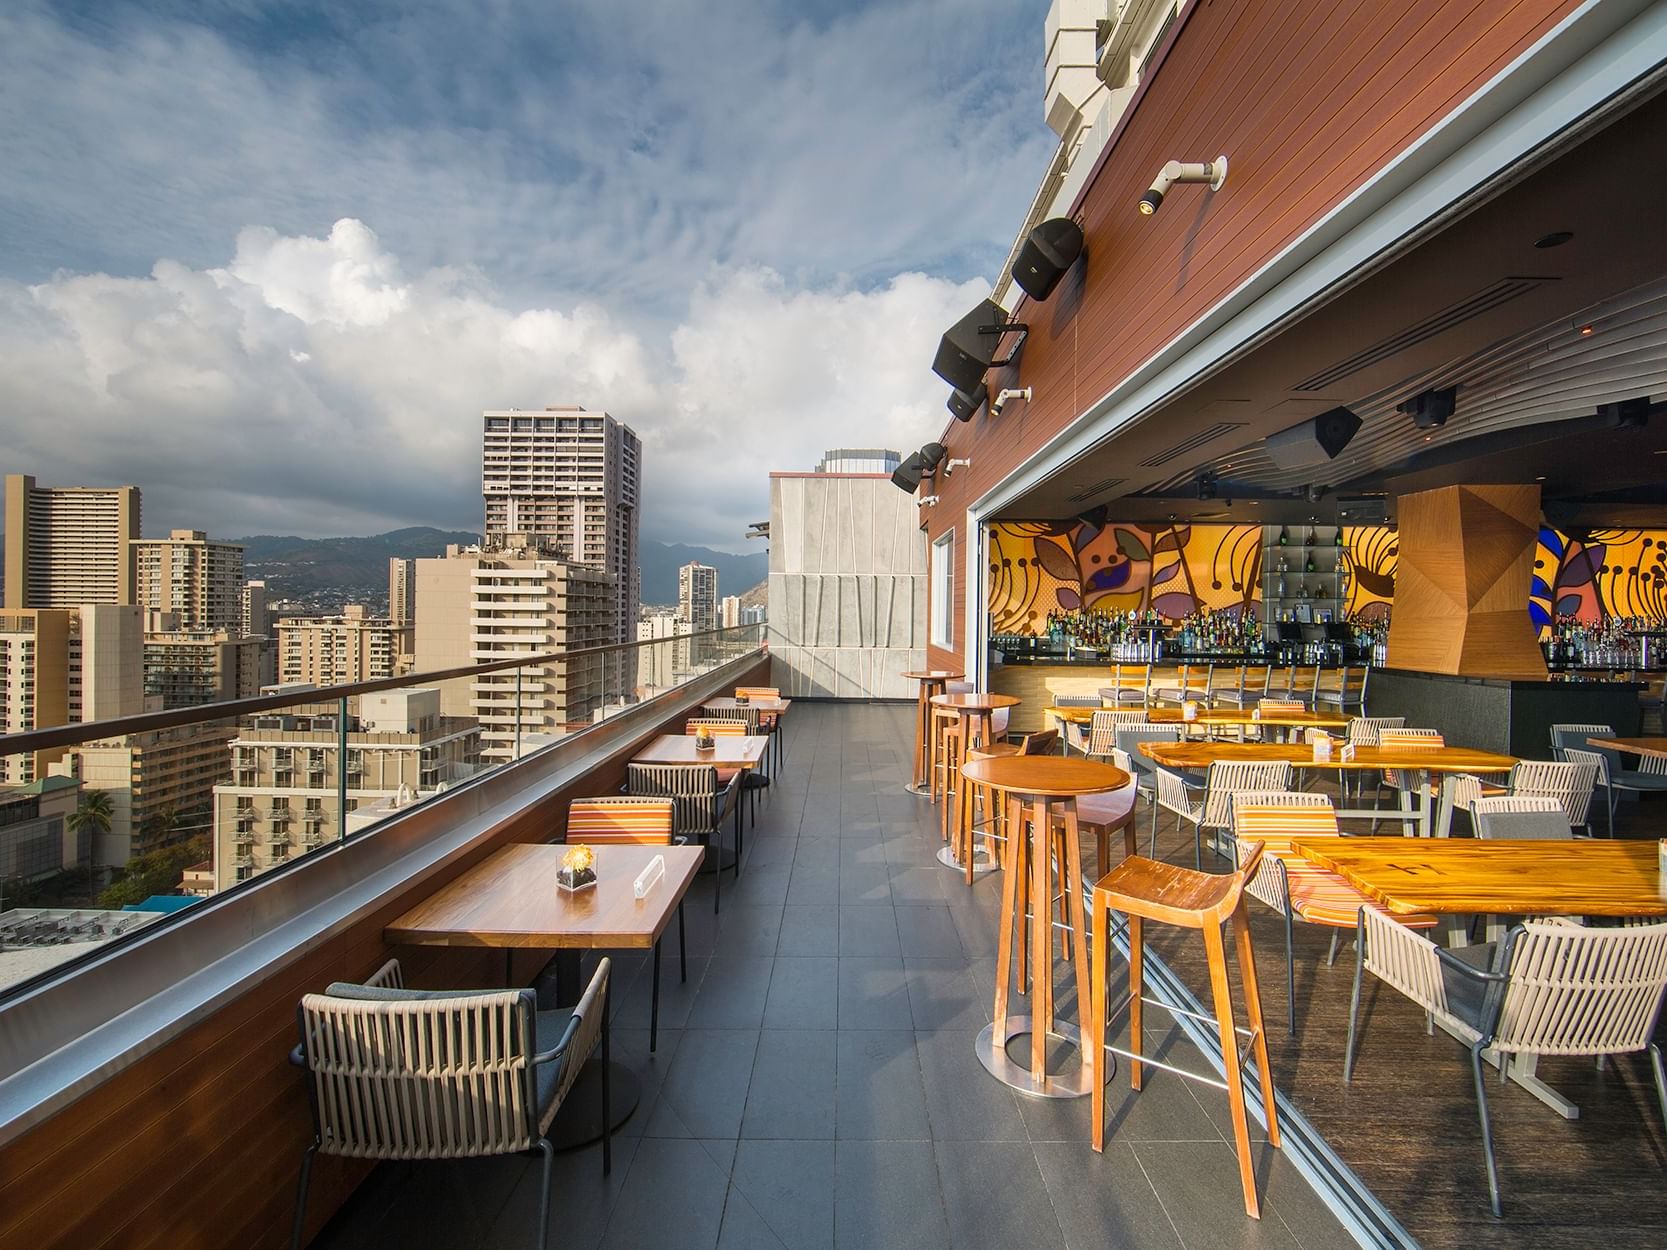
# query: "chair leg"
(1094, 1021)
(682, 947)
(654, 1004)
(1290, 974)
(1331, 956)
(607, 1110)
(1253, 1012)
(1660, 1079)
(1222, 996)
(1487, 1130)
(1354, 998)
(307, 1176)
(542, 1231)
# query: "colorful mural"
(1605, 573)
(1371, 552)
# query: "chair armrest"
(1453, 963)
(297, 1056)
(560, 1048)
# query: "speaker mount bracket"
(1013, 352)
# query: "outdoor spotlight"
(950, 468)
(927, 501)
(965, 404)
(1214, 173)
(907, 475)
(1429, 410)
(931, 456)
(1314, 493)
(1000, 401)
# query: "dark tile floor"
(816, 1085)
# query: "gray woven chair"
(394, 1073)
(702, 806)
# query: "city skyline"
(706, 245)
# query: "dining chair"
(397, 1074)
(625, 820)
(1520, 817)
(769, 723)
(700, 806)
(1102, 730)
(731, 726)
(1125, 754)
(1402, 738)
(1076, 735)
(1612, 783)
(1211, 807)
(1571, 782)
(1362, 731)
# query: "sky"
(270, 261)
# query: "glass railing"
(109, 828)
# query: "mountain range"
(355, 569)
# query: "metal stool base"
(981, 861)
(923, 789)
(1072, 1083)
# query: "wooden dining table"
(1416, 765)
(726, 751)
(510, 901)
(1655, 747)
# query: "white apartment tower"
(335, 650)
(187, 574)
(402, 591)
(70, 545)
(571, 481)
(697, 596)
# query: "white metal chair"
(1613, 782)
(1075, 736)
(702, 805)
(1520, 817)
(1212, 806)
(1349, 698)
(1571, 782)
(394, 1073)
(1102, 730)
(1126, 755)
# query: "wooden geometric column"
(1462, 581)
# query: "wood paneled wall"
(1309, 99)
(198, 1145)
(1467, 558)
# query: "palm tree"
(92, 817)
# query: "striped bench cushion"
(609, 820)
(730, 727)
(1322, 897)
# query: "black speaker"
(964, 353)
(1050, 250)
(965, 403)
(931, 456)
(1429, 410)
(906, 476)
(1314, 441)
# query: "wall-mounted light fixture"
(1000, 401)
(927, 501)
(1429, 410)
(950, 468)
(1213, 173)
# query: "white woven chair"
(1126, 755)
(1570, 782)
(1520, 817)
(412, 1074)
(1613, 782)
(1212, 806)
(702, 804)
(1401, 737)
(1102, 730)
(1363, 731)
(1073, 735)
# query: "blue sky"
(270, 261)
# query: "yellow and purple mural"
(1603, 574)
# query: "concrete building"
(753, 614)
(283, 798)
(257, 623)
(847, 588)
(697, 596)
(667, 664)
(199, 580)
(572, 481)
(187, 668)
(160, 782)
(332, 650)
(729, 611)
(35, 837)
(514, 598)
(69, 545)
(859, 460)
(63, 666)
(402, 591)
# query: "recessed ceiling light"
(1540, 478)
(1555, 239)
(1585, 330)
(1428, 437)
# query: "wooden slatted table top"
(1215, 716)
(1195, 756)
(1632, 746)
(936, 674)
(728, 750)
(511, 899)
(732, 704)
(1464, 876)
(1047, 776)
(975, 702)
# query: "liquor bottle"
(1283, 540)
(1310, 564)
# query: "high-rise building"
(69, 545)
(665, 665)
(729, 612)
(859, 460)
(190, 667)
(697, 596)
(753, 614)
(187, 574)
(402, 591)
(257, 623)
(65, 666)
(571, 480)
(514, 598)
(332, 650)
(283, 794)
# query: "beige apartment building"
(332, 650)
(402, 591)
(572, 481)
(69, 545)
(282, 799)
(198, 580)
(64, 666)
(187, 668)
(514, 598)
(666, 664)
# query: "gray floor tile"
(872, 994)
(862, 851)
(1198, 1183)
(792, 1090)
(963, 1101)
(1104, 1199)
(927, 931)
(813, 885)
(878, 1093)
(864, 883)
(677, 998)
(868, 931)
(804, 993)
(810, 929)
(887, 1196)
(911, 884)
(705, 1089)
(759, 884)
(748, 929)
(1012, 1211)
(673, 1196)
(944, 994)
(733, 993)
(784, 1190)
(582, 1201)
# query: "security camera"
(1212, 172)
(949, 468)
(1000, 401)
(927, 501)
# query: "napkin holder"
(649, 877)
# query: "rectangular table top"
(728, 750)
(1464, 876)
(1632, 746)
(1199, 755)
(728, 704)
(511, 899)
(1216, 716)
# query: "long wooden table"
(1633, 746)
(727, 750)
(1414, 764)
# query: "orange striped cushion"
(1322, 897)
(758, 692)
(1280, 706)
(732, 727)
(610, 820)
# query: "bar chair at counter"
(1250, 689)
(1131, 685)
(945, 722)
(1146, 889)
(452, 1074)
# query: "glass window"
(943, 591)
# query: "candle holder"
(578, 869)
(704, 741)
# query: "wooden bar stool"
(975, 715)
(1146, 889)
(932, 681)
(972, 796)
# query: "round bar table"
(932, 682)
(1041, 793)
(976, 713)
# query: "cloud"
(314, 385)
